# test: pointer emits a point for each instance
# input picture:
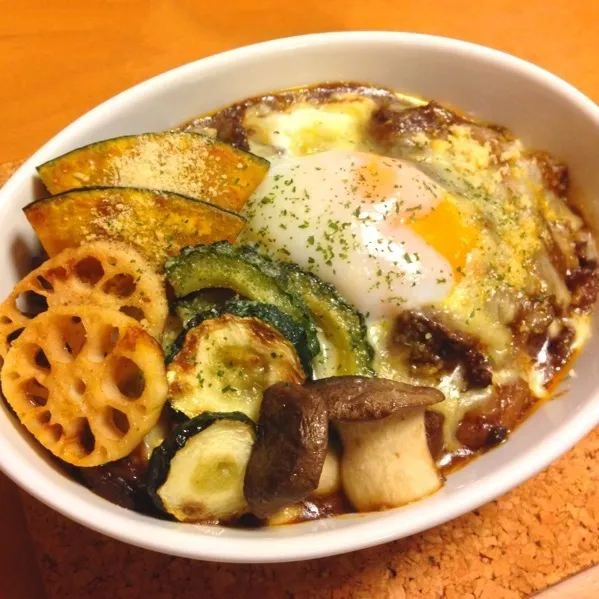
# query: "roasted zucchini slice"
(202, 301)
(198, 472)
(186, 163)
(132, 216)
(245, 271)
(268, 314)
(342, 325)
(224, 364)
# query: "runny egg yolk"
(445, 230)
(442, 226)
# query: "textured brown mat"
(531, 538)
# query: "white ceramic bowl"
(544, 111)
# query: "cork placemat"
(531, 538)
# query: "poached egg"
(379, 229)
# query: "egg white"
(323, 213)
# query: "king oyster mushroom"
(288, 457)
(386, 459)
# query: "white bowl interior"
(544, 111)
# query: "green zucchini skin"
(188, 307)
(338, 319)
(244, 270)
(159, 465)
(268, 314)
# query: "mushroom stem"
(387, 463)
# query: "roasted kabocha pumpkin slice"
(190, 164)
(157, 223)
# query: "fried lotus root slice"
(103, 273)
(87, 382)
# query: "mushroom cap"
(289, 453)
(356, 398)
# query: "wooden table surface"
(60, 58)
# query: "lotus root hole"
(56, 431)
(41, 360)
(45, 284)
(89, 270)
(13, 335)
(44, 417)
(133, 312)
(57, 274)
(121, 285)
(36, 393)
(129, 378)
(78, 387)
(87, 438)
(31, 303)
(119, 421)
(74, 335)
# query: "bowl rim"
(363, 532)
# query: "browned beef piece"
(388, 126)
(435, 347)
(228, 125)
(531, 332)
(531, 323)
(393, 128)
(490, 424)
(559, 352)
(583, 282)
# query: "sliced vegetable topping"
(246, 272)
(202, 301)
(340, 322)
(107, 274)
(289, 454)
(268, 314)
(87, 382)
(226, 361)
(157, 223)
(187, 163)
(198, 472)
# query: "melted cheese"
(491, 224)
